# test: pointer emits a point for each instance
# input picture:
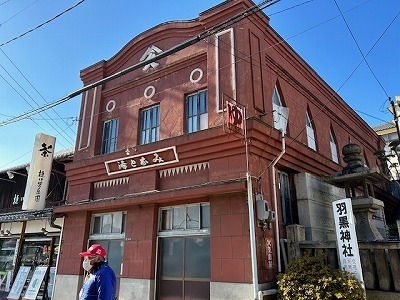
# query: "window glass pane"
(172, 253)
(311, 138)
(96, 225)
(197, 116)
(110, 136)
(203, 102)
(205, 216)
(114, 249)
(276, 99)
(334, 152)
(192, 217)
(117, 222)
(150, 125)
(179, 220)
(197, 257)
(115, 254)
(166, 218)
(308, 121)
(106, 226)
(7, 251)
(203, 121)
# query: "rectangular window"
(110, 136)
(286, 199)
(185, 217)
(150, 126)
(197, 111)
(111, 223)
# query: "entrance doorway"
(184, 268)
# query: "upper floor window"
(280, 112)
(333, 144)
(150, 125)
(109, 223)
(185, 217)
(310, 133)
(197, 111)
(110, 136)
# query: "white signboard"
(19, 282)
(35, 283)
(349, 255)
(39, 173)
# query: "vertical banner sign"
(349, 255)
(235, 116)
(39, 173)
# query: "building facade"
(30, 239)
(185, 167)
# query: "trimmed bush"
(309, 278)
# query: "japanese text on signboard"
(141, 161)
(346, 237)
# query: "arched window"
(280, 112)
(333, 144)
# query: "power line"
(159, 56)
(23, 75)
(40, 25)
(17, 12)
(359, 49)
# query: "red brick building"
(161, 181)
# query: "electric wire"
(64, 99)
(42, 24)
(1, 24)
(4, 2)
(68, 137)
(359, 49)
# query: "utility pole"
(396, 119)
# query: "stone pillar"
(364, 209)
(295, 234)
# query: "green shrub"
(309, 278)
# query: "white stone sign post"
(349, 256)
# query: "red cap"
(95, 249)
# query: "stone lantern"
(358, 180)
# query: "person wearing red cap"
(100, 282)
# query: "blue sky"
(43, 65)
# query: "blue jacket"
(100, 285)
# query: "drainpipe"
(253, 252)
(252, 230)
(277, 237)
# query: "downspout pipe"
(274, 190)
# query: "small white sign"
(349, 255)
(35, 283)
(19, 282)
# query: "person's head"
(93, 255)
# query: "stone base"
(364, 209)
